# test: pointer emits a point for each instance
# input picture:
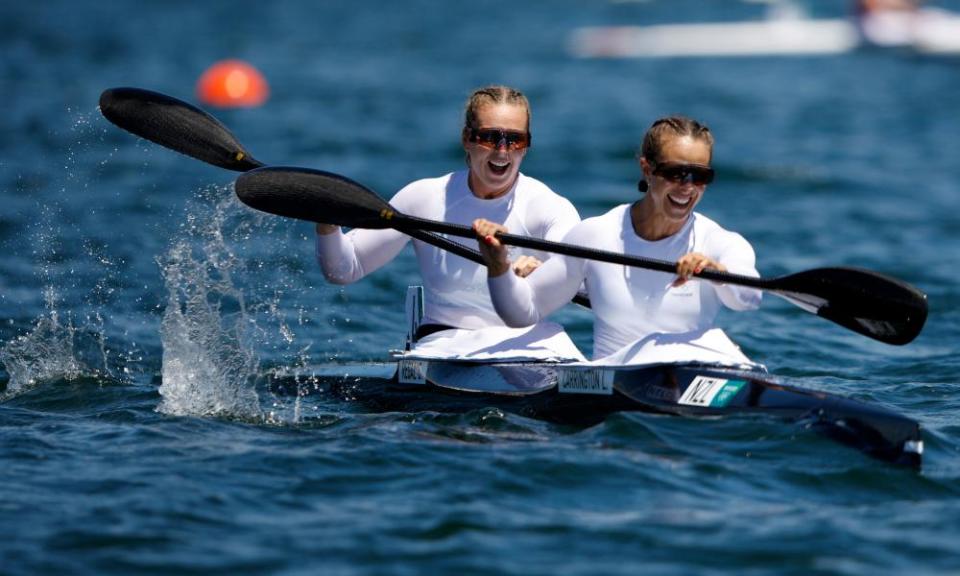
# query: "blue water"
(143, 310)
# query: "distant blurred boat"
(928, 31)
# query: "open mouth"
(680, 201)
(498, 167)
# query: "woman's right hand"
(495, 254)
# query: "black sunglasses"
(696, 174)
(493, 138)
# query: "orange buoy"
(232, 84)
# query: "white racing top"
(456, 288)
(629, 303)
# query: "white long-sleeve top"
(455, 290)
(631, 303)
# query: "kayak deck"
(585, 396)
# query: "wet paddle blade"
(176, 125)
(313, 195)
(869, 303)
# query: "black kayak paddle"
(866, 302)
(184, 128)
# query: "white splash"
(208, 365)
(45, 353)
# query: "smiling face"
(668, 203)
(494, 171)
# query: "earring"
(642, 186)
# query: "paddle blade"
(176, 125)
(866, 302)
(313, 195)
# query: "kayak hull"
(583, 396)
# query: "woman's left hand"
(694, 263)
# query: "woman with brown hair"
(495, 139)
(631, 304)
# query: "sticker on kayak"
(711, 392)
(585, 381)
(412, 371)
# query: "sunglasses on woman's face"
(494, 138)
(696, 174)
